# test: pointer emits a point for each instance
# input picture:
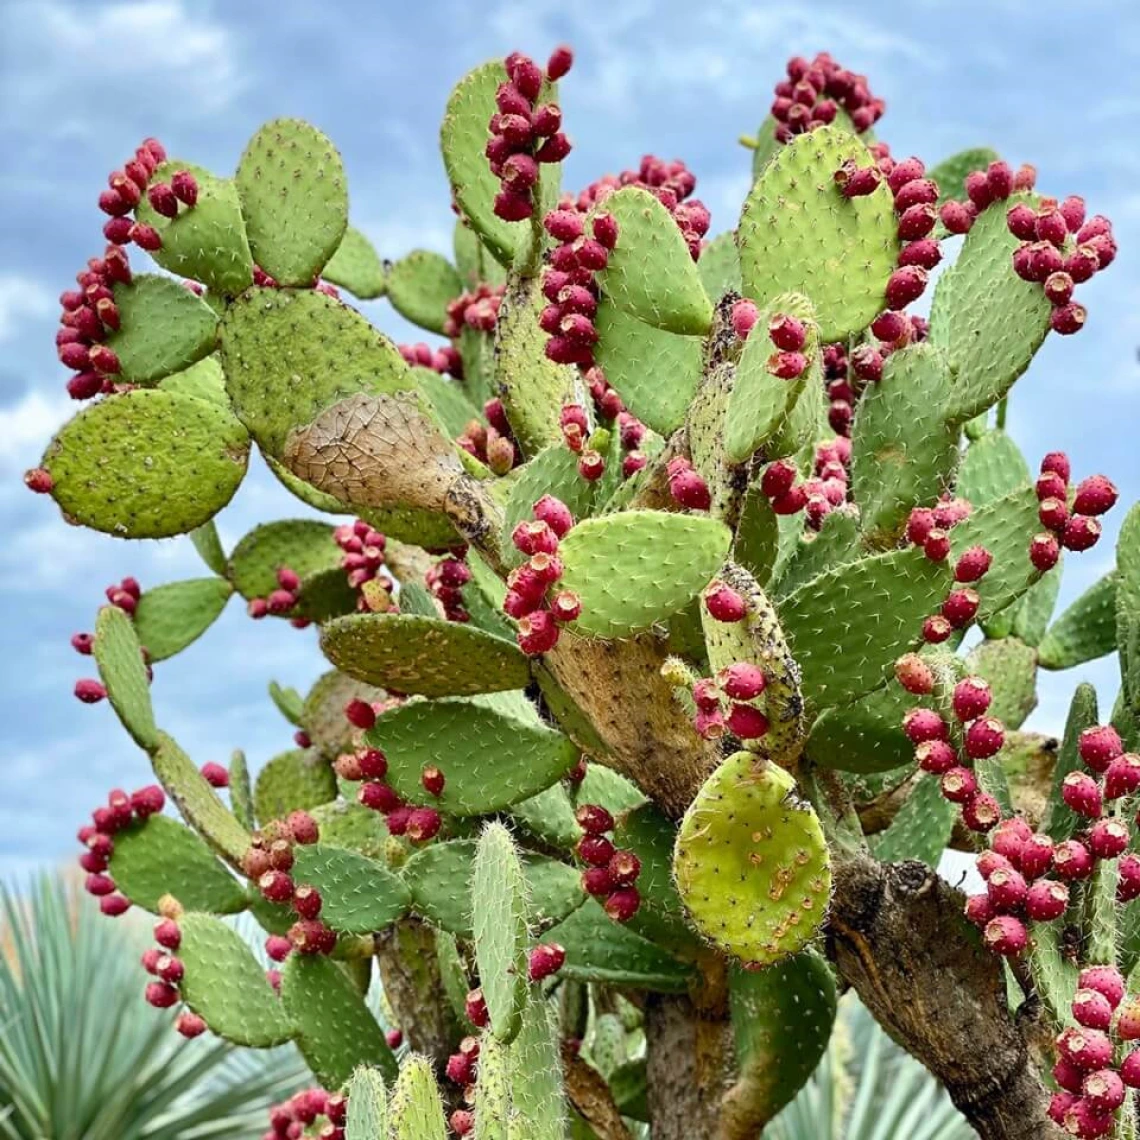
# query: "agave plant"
(79, 1060)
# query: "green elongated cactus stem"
(367, 1106)
(415, 1110)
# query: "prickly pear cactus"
(646, 607)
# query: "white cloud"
(21, 297)
(27, 425)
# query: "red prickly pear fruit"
(566, 606)
(359, 714)
(1092, 1010)
(1044, 551)
(1080, 265)
(1068, 319)
(307, 901)
(920, 525)
(984, 738)
(1007, 889)
(623, 904)
(563, 225)
(1122, 776)
(959, 785)
(148, 801)
(724, 603)
(276, 886)
(744, 316)
(114, 905)
(423, 825)
(1059, 288)
(1068, 1076)
(1036, 856)
(546, 959)
(162, 200)
(981, 813)
(999, 179)
(395, 1038)
(916, 222)
(1106, 980)
(936, 629)
(169, 969)
(624, 868)
(591, 465)
(433, 780)
(1046, 900)
(917, 192)
(161, 995)
(555, 514)
(1084, 1121)
(890, 326)
(278, 947)
(596, 881)
(280, 855)
(1010, 838)
(856, 181)
(185, 187)
(787, 365)
(1005, 935)
(867, 363)
(1057, 463)
(742, 681)
(1128, 878)
(1053, 513)
(605, 229)
(972, 696)
(85, 385)
(908, 170)
(311, 936)
(595, 850)
(146, 237)
(1081, 533)
(935, 756)
(38, 480)
(914, 674)
(1099, 745)
(512, 206)
(302, 827)
(924, 724)
(1082, 794)
(1051, 226)
(89, 691)
(1103, 1090)
(958, 217)
(978, 189)
(989, 861)
(1130, 1070)
(216, 776)
(791, 501)
(706, 695)
(1051, 486)
(475, 1007)
(961, 606)
(373, 763)
(905, 285)
(167, 934)
(560, 62)
(537, 633)
(936, 547)
(747, 722)
(287, 579)
(1088, 1049)
(103, 359)
(594, 819)
(273, 977)
(190, 1025)
(709, 724)
(787, 333)
(690, 490)
(778, 478)
(1072, 860)
(1094, 496)
(99, 885)
(979, 910)
(1109, 838)
(460, 1069)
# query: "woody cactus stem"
(648, 711)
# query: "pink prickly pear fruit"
(423, 825)
(394, 1038)
(961, 606)
(959, 785)
(433, 780)
(690, 490)
(744, 316)
(555, 514)
(972, 696)
(1130, 1070)
(1085, 1122)
(742, 681)
(1095, 495)
(161, 995)
(359, 714)
(1060, 1104)
(546, 959)
(624, 868)
(595, 850)
(777, 479)
(1068, 1076)
(1046, 900)
(216, 776)
(190, 1025)
(114, 905)
(984, 738)
(475, 1006)
(1082, 794)
(913, 673)
(1044, 551)
(787, 333)
(1092, 1010)
(1106, 980)
(1081, 533)
(936, 757)
(302, 827)
(1109, 838)
(278, 947)
(148, 801)
(936, 547)
(594, 819)
(1128, 878)
(979, 910)
(921, 725)
(307, 901)
(1099, 746)
(185, 187)
(973, 564)
(706, 695)
(990, 861)
(1088, 1049)
(537, 633)
(1072, 860)
(623, 904)
(1005, 935)
(1104, 1090)
(724, 603)
(1010, 838)
(958, 217)
(747, 722)
(1007, 890)
(1036, 856)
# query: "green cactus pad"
(241, 791)
(224, 985)
(367, 1106)
(1029, 618)
(448, 400)
(799, 234)
(123, 672)
(199, 804)
(833, 623)
(1128, 619)
(751, 862)
(601, 950)
(536, 1094)
(289, 354)
(835, 544)
(992, 466)
(1054, 973)
(549, 816)
(209, 547)
(420, 286)
(1010, 667)
(288, 701)
(416, 1108)
(639, 567)
(1085, 631)
(164, 328)
(611, 789)
(162, 857)
(305, 546)
(719, 266)
(294, 199)
(423, 655)
(902, 453)
(760, 404)
(651, 275)
(986, 319)
(176, 461)
(1059, 821)
(865, 735)
(921, 829)
(493, 1090)
(757, 542)
(489, 759)
(204, 381)
(335, 1029)
(322, 715)
(781, 1023)
(171, 617)
(293, 781)
(356, 266)
(439, 878)
(358, 895)
(207, 242)
(1004, 527)
(502, 937)
(656, 372)
(353, 827)
(453, 975)
(950, 173)
(806, 423)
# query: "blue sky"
(82, 83)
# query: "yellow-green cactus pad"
(449, 401)
(367, 1106)
(423, 655)
(639, 567)
(416, 1111)
(865, 735)
(206, 242)
(226, 987)
(799, 234)
(289, 354)
(305, 546)
(358, 894)
(751, 862)
(538, 1102)
(335, 1029)
(171, 617)
(420, 287)
(351, 826)
(123, 672)
(719, 266)
(164, 857)
(322, 715)
(489, 759)
(293, 781)
(356, 266)
(950, 174)
(650, 274)
(204, 381)
(294, 198)
(1010, 667)
(163, 328)
(147, 464)
(992, 466)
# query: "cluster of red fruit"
(527, 598)
(267, 864)
(738, 684)
(493, 444)
(125, 596)
(445, 581)
(167, 970)
(816, 497)
(984, 187)
(97, 838)
(444, 360)
(813, 94)
(298, 1116)
(611, 872)
(126, 188)
(476, 309)
(788, 335)
(363, 559)
(370, 766)
(1093, 1086)
(1073, 525)
(525, 134)
(1047, 233)
(281, 601)
(575, 427)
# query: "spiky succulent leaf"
(304, 546)
(420, 285)
(416, 1111)
(123, 671)
(351, 826)
(1010, 667)
(719, 266)
(288, 701)
(367, 1106)
(865, 735)
(356, 266)
(992, 467)
(209, 547)
(171, 617)
(835, 544)
(922, 827)
(241, 791)
(322, 715)
(293, 781)
(538, 1103)
(204, 381)
(1060, 821)
(358, 895)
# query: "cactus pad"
(950, 173)
(719, 266)
(650, 836)
(293, 781)
(305, 546)
(639, 567)
(448, 400)
(1059, 821)
(204, 381)
(287, 700)
(921, 829)
(164, 328)
(423, 655)
(289, 354)
(209, 546)
(147, 464)
(335, 1030)
(171, 617)
(358, 895)
(322, 715)
(493, 1090)
(865, 735)
(294, 199)
(356, 266)
(1085, 631)
(751, 863)
(992, 466)
(207, 243)
(651, 275)
(536, 1094)
(226, 987)
(420, 286)
(352, 827)
(799, 234)
(489, 759)
(835, 544)
(367, 1106)
(241, 791)
(123, 672)
(416, 1109)
(1010, 667)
